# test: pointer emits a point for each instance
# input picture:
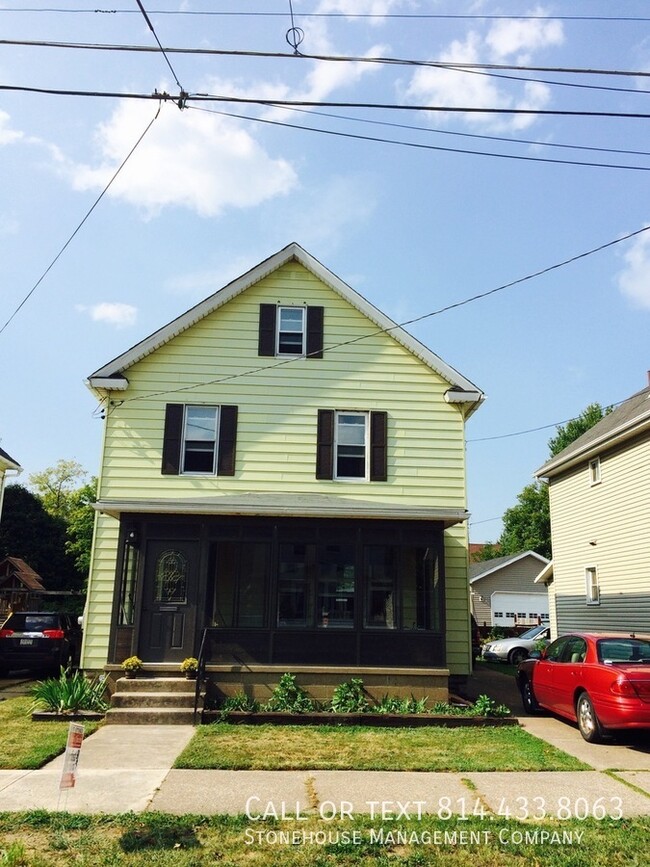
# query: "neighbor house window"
(352, 445)
(199, 440)
(592, 588)
(290, 330)
(594, 471)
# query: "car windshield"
(32, 622)
(623, 650)
(534, 632)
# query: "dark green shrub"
(290, 697)
(70, 692)
(350, 697)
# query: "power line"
(181, 102)
(402, 16)
(422, 145)
(280, 103)
(379, 331)
(87, 215)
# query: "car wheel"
(588, 723)
(528, 698)
(517, 655)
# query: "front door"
(168, 619)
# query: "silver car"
(515, 650)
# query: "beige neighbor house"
(283, 484)
(7, 464)
(503, 591)
(599, 489)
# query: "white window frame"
(366, 444)
(592, 585)
(185, 440)
(594, 472)
(303, 330)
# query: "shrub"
(486, 706)
(239, 702)
(290, 697)
(69, 693)
(350, 697)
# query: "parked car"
(514, 650)
(602, 682)
(39, 640)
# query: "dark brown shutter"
(314, 332)
(325, 444)
(266, 341)
(227, 441)
(378, 446)
(172, 439)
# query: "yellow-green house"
(283, 485)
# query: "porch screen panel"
(336, 586)
(253, 584)
(225, 583)
(380, 572)
(419, 589)
(295, 585)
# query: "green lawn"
(40, 839)
(26, 744)
(435, 748)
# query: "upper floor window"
(290, 330)
(199, 439)
(352, 445)
(594, 471)
(592, 586)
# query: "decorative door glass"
(171, 578)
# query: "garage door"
(519, 609)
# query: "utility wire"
(423, 145)
(379, 331)
(403, 16)
(181, 98)
(87, 215)
(280, 103)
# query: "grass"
(41, 839)
(27, 744)
(268, 747)
(502, 667)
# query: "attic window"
(286, 330)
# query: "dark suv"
(39, 640)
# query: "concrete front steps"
(153, 701)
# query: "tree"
(568, 433)
(527, 526)
(29, 532)
(56, 485)
(80, 525)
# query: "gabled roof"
(7, 462)
(112, 375)
(19, 569)
(487, 567)
(627, 420)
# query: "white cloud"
(445, 87)
(634, 279)
(7, 135)
(363, 7)
(112, 313)
(190, 159)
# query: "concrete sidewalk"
(128, 768)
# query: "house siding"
(606, 525)
(216, 361)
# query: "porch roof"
(283, 505)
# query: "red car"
(600, 681)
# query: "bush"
(69, 693)
(393, 704)
(290, 697)
(350, 697)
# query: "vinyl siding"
(216, 361)
(607, 526)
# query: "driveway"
(629, 752)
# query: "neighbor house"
(503, 591)
(599, 488)
(283, 483)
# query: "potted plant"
(189, 667)
(132, 665)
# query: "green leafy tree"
(80, 525)
(56, 486)
(568, 433)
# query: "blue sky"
(206, 196)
